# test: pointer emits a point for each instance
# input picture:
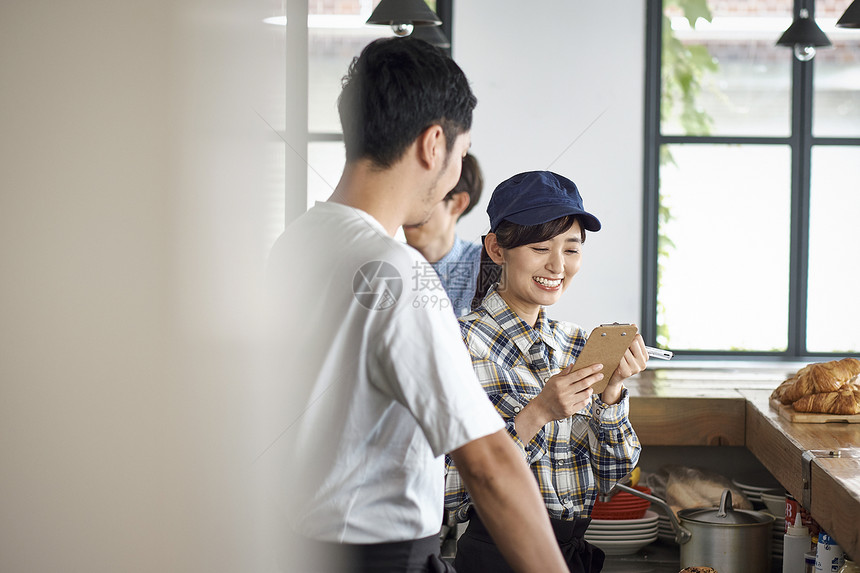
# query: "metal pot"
(726, 539)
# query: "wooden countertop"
(729, 405)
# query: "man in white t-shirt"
(383, 383)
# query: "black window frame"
(801, 142)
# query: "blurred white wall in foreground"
(137, 156)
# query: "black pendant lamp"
(403, 15)
(432, 35)
(804, 36)
(851, 17)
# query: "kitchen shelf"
(730, 407)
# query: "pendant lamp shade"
(851, 17)
(432, 35)
(404, 12)
(804, 36)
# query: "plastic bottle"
(829, 557)
(810, 561)
(795, 544)
(849, 567)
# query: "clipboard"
(606, 345)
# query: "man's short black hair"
(471, 182)
(396, 89)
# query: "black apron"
(413, 556)
(477, 552)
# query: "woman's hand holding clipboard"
(607, 345)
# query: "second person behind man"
(456, 261)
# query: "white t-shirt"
(382, 378)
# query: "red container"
(623, 505)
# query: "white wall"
(560, 86)
(134, 163)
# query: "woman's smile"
(548, 283)
(536, 274)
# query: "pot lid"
(724, 515)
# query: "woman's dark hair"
(510, 235)
(394, 90)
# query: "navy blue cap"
(537, 197)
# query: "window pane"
(723, 266)
(275, 183)
(833, 313)
(325, 165)
(726, 76)
(836, 103)
(336, 33)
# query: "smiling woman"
(536, 272)
(544, 220)
(575, 441)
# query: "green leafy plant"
(683, 69)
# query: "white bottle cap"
(798, 528)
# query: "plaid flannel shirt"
(571, 458)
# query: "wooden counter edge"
(688, 421)
(744, 418)
(833, 505)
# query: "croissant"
(846, 400)
(788, 386)
(779, 391)
(819, 378)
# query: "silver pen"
(659, 353)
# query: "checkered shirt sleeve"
(572, 459)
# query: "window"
(336, 34)
(752, 181)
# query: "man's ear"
(491, 243)
(431, 146)
(458, 203)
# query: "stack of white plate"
(664, 525)
(774, 501)
(623, 536)
(777, 540)
(753, 486)
(664, 528)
